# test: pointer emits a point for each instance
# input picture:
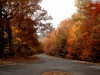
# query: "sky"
(59, 9)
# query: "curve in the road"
(48, 63)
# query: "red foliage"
(90, 33)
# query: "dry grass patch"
(12, 60)
(56, 73)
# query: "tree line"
(20, 21)
(79, 36)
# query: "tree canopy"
(19, 23)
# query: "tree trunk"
(1, 41)
(10, 40)
(1, 33)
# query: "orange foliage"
(78, 37)
(55, 43)
(84, 37)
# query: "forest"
(76, 38)
(20, 21)
(79, 36)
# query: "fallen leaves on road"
(56, 73)
(12, 60)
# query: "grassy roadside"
(12, 60)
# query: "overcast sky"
(59, 9)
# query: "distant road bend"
(48, 63)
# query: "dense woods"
(20, 21)
(79, 36)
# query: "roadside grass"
(56, 73)
(12, 60)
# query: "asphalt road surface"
(48, 63)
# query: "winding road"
(47, 63)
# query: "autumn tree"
(25, 38)
(56, 41)
(90, 32)
(78, 36)
(17, 12)
(82, 3)
(74, 41)
(84, 36)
